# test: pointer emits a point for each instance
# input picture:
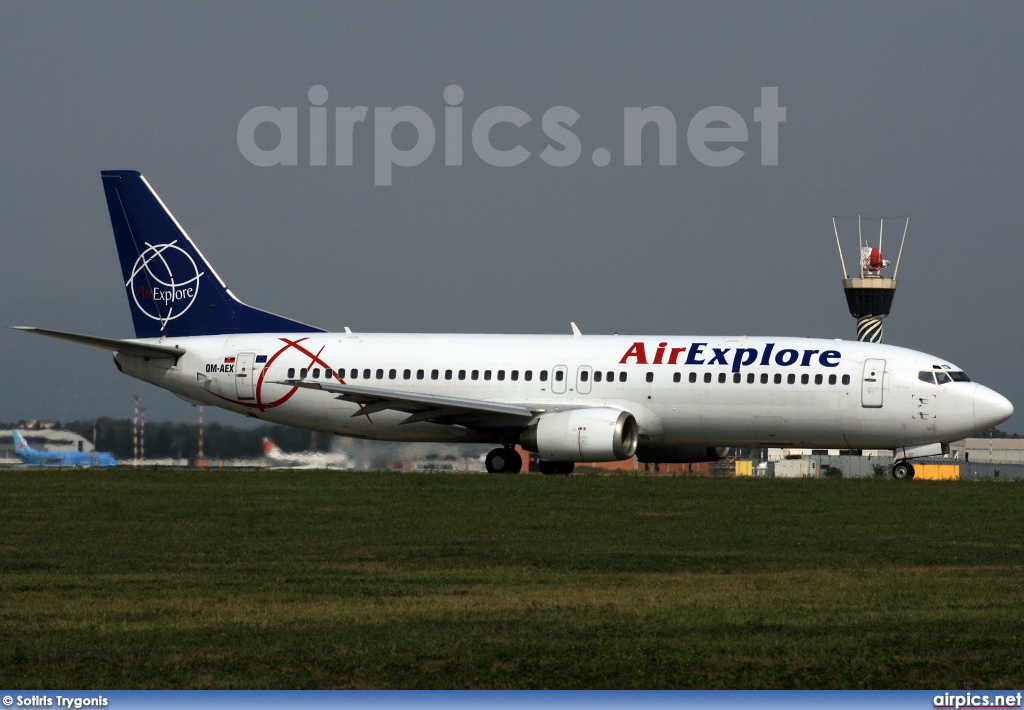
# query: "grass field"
(213, 579)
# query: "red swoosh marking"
(314, 358)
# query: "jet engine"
(681, 454)
(595, 434)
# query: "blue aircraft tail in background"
(32, 457)
(172, 290)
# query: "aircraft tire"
(513, 461)
(503, 461)
(902, 471)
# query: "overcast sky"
(891, 109)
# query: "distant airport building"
(988, 450)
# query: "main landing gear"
(902, 471)
(503, 460)
(555, 468)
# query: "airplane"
(31, 457)
(311, 459)
(568, 398)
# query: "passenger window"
(707, 377)
(475, 375)
(291, 373)
(501, 374)
(611, 376)
(750, 378)
(650, 377)
(584, 376)
(721, 377)
(528, 375)
(676, 377)
(447, 374)
(942, 378)
(302, 373)
(316, 373)
(597, 376)
(778, 379)
(434, 374)
(462, 374)
(736, 377)
(487, 374)
(622, 377)
(419, 374)
(515, 375)
(406, 374)
(543, 375)
(831, 379)
(791, 379)
(693, 377)
(354, 375)
(380, 374)
(764, 378)
(392, 374)
(817, 379)
(846, 379)
(558, 376)
(329, 373)
(804, 379)
(926, 377)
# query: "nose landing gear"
(504, 460)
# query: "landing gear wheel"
(556, 468)
(503, 461)
(902, 471)
(513, 462)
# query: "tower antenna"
(869, 295)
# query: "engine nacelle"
(596, 434)
(681, 454)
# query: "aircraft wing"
(128, 347)
(438, 409)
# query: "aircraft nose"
(990, 408)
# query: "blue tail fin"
(171, 288)
(21, 447)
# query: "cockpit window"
(926, 377)
(942, 378)
(958, 376)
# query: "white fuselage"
(682, 390)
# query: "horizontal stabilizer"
(128, 347)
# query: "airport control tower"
(869, 294)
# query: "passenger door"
(872, 384)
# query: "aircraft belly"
(875, 431)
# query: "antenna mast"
(869, 295)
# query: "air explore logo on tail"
(164, 281)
